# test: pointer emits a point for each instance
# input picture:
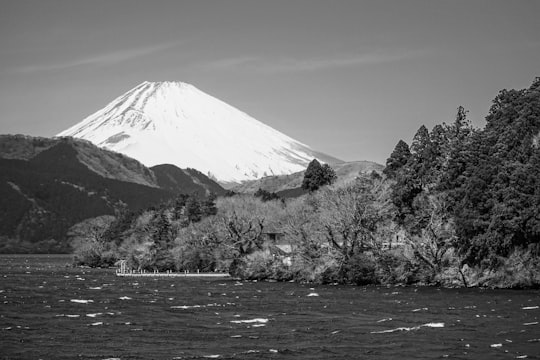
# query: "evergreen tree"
(328, 175)
(462, 126)
(318, 175)
(162, 230)
(311, 176)
(266, 195)
(435, 157)
(420, 142)
(208, 206)
(397, 159)
(179, 206)
(193, 210)
(122, 223)
(411, 177)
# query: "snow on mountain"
(176, 123)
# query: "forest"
(459, 206)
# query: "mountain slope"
(110, 164)
(289, 184)
(48, 185)
(105, 163)
(191, 181)
(176, 123)
(42, 197)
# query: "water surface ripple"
(52, 311)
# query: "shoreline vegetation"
(458, 207)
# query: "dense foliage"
(494, 180)
(317, 175)
(487, 181)
(146, 238)
(265, 195)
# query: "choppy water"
(50, 311)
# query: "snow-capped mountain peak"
(176, 123)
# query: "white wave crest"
(81, 301)
(430, 325)
(250, 321)
(94, 314)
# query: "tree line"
(486, 181)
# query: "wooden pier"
(124, 272)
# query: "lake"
(53, 311)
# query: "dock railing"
(124, 271)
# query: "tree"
(432, 232)
(244, 233)
(93, 229)
(301, 226)
(208, 206)
(462, 127)
(397, 159)
(159, 249)
(162, 234)
(265, 195)
(179, 205)
(318, 175)
(199, 247)
(420, 142)
(90, 246)
(328, 175)
(350, 218)
(193, 210)
(123, 222)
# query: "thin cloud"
(292, 65)
(230, 63)
(283, 65)
(110, 58)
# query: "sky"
(348, 78)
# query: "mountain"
(48, 185)
(176, 123)
(289, 185)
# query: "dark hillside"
(188, 181)
(48, 185)
(41, 198)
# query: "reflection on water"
(53, 311)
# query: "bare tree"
(301, 226)
(350, 216)
(244, 233)
(432, 236)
